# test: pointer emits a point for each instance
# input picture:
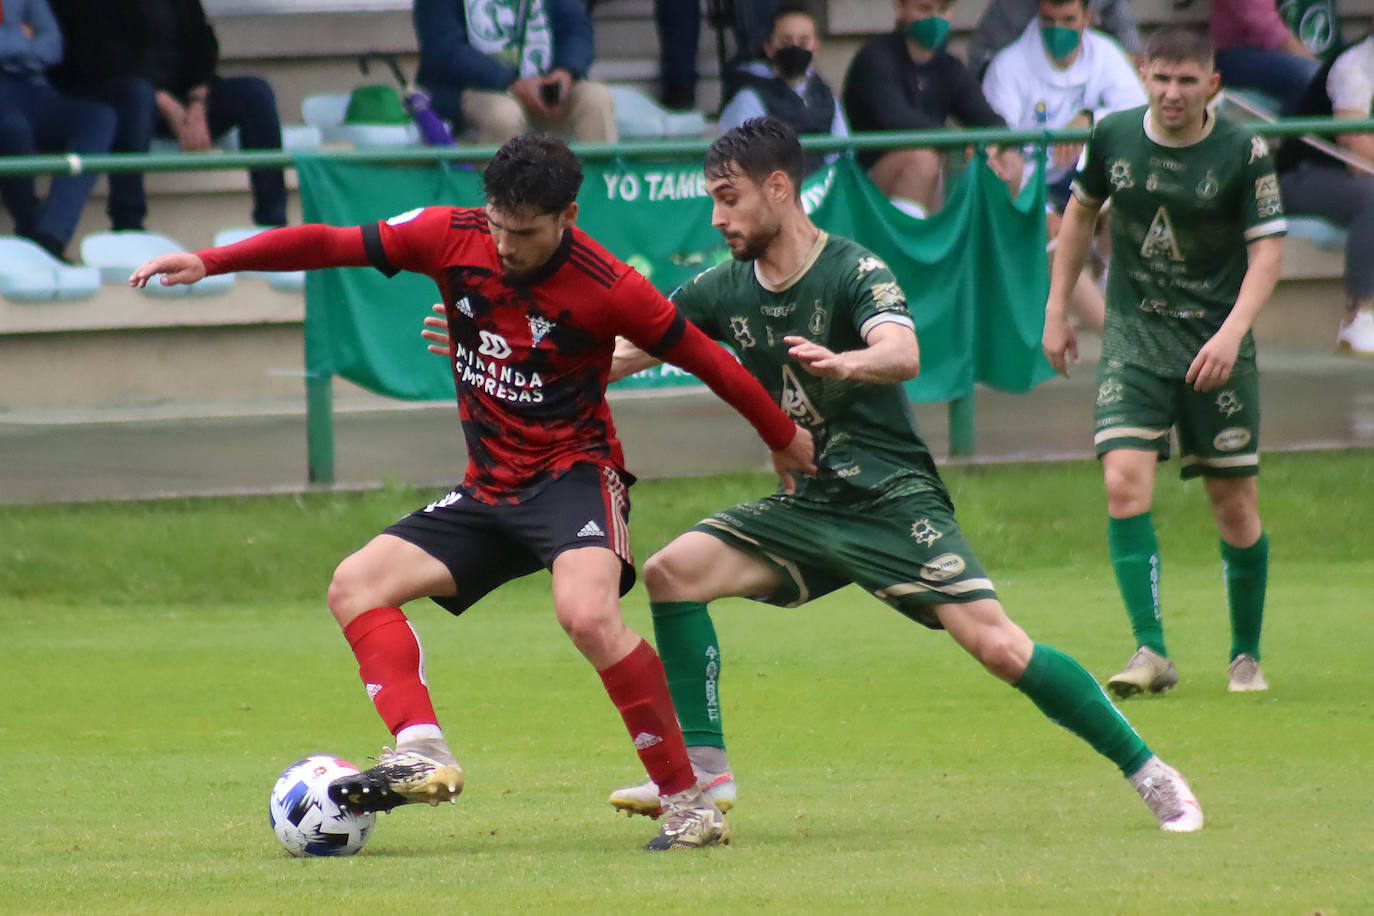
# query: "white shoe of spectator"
(1357, 334)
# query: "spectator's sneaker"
(1147, 670)
(1357, 335)
(1244, 675)
(644, 799)
(399, 778)
(690, 822)
(1168, 795)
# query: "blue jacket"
(24, 56)
(448, 60)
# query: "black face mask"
(791, 61)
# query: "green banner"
(975, 274)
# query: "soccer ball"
(306, 820)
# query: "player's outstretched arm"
(891, 355)
(181, 267)
(629, 359)
(1075, 234)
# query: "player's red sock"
(392, 666)
(639, 690)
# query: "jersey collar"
(1207, 127)
(797, 274)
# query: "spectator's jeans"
(1336, 194)
(245, 102)
(497, 116)
(1281, 75)
(36, 118)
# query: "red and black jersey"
(531, 358)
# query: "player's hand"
(799, 455)
(1059, 343)
(1212, 366)
(436, 331)
(182, 267)
(815, 359)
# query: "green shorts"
(907, 552)
(1218, 430)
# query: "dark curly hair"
(757, 148)
(532, 171)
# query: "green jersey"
(867, 445)
(1180, 221)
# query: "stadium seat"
(117, 254)
(325, 112)
(1324, 235)
(29, 274)
(286, 281)
(639, 116)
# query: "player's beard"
(755, 243)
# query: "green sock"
(1247, 573)
(691, 657)
(1062, 690)
(1135, 558)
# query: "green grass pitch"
(164, 661)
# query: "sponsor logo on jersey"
(539, 326)
(1228, 403)
(1160, 238)
(1232, 439)
(794, 401)
(739, 326)
(870, 263)
(493, 345)
(1168, 165)
(464, 305)
(888, 297)
(405, 217)
(945, 566)
(1120, 175)
(778, 311)
(1267, 200)
(853, 470)
(924, 532)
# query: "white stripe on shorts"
(962, 587)
(1225, 461)
(1129, 432)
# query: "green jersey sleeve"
(694, 300)
(876, 296)
(1263, 206)
(1090, 184)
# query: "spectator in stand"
(679, 34)
(1256, 50)
(1003, 20)
(1340, 187)
(160, 76)
(786, 86)
(906, 80)
(503, 67)
(36, 118)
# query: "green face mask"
(930, 33)
(1060, 42)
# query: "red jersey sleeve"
(307, 247)
(415, 240)
(651, 322)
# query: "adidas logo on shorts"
(591, 530)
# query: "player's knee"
(1128, 494)
(662, 577)
(589, 624)
(347, 595)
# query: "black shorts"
(485, 545)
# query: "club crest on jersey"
(1208, 187)
(924, 532)
(1228, 403)
(1120, 175)
(739, 326)
(539, 326)
(818, 320)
